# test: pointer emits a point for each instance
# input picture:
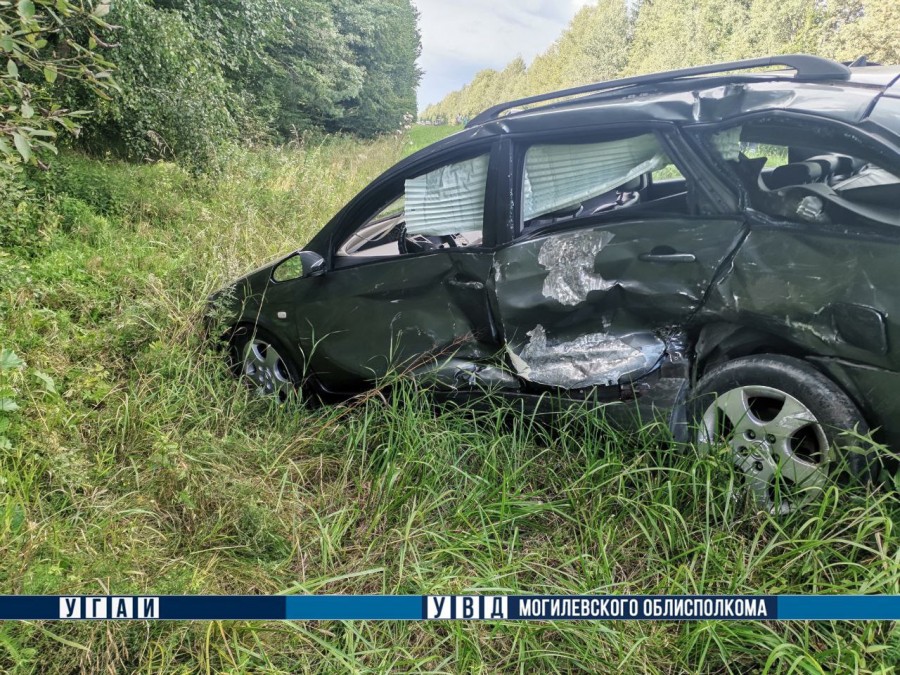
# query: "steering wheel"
(416, 243)
(623, 200)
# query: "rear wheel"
(784, 424)
(261, 360)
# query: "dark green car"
(716, 245)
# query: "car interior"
(646, 193)
(804, 178)
(600, 179)
(442, 208)
(387, 236)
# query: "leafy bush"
(174, 103)
(9, 362)
(18, 223)
(198, 74)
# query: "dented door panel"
(831, 296)
(599, 305)
(397, 314)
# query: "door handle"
(667, 257)
(462, 283)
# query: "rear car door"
(613, 255)
(817, 273)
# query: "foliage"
(614, 38)
(871, 30)
(386, 44)
(152, 471)
(174, 102)
(42, 43)
(194, 76)
(197, 74)
(9, 362)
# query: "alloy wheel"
(266, 369)
(777, 445)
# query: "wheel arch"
(250, 325)
(719, 342)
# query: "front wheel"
(784, 424)
(258, 357)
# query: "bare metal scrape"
(569, 261)
(589, 360)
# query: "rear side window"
(568, 181)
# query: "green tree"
(384, 38)
(174, 101)
(677, 33)
(43, 43)
(596, 45)
(196, 74)
(872, 30)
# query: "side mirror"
(313, 264)
(299, 264)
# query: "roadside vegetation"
(132, 462)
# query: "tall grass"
(139, 466)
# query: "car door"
(613, 255)
(405, 290)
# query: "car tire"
(260, 359)
(784, 423)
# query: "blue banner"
(453, 607)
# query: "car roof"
(710, 99)
(841, 93)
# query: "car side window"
(442, 208)
(562, 182)
(808, 173)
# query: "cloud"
(461, 37)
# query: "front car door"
(405, 289)
(613, 255)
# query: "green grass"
(137, 465)
(421, 135)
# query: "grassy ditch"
(132, 463)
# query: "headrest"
(834, 165)
(796, 173)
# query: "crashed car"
(719, 245)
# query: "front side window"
(442, 208)
(808, 173)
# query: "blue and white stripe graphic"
(452, 607)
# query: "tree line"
(180, 79)
(617, 38)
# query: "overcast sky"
(461, 37)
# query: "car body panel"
(581, 307)
(811, 291)
(359, 323)
(578, 308)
